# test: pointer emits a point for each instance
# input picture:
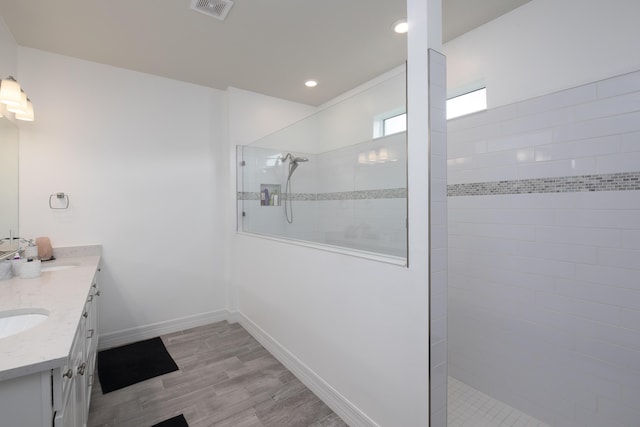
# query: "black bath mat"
(178, 421)
(129, 364)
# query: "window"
(394, 124)
(468, 103)
(396, 121)
(389, 123)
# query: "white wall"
(138, 157)
(544, 298)
(546, 46)
(252, 116)
(354, 322)
(345, 120)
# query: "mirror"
(9, 152)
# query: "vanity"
(46, 370)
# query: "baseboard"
(233, 316)
(337, 402)
(131, 335)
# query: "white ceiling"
(269, 47)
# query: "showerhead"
(294, 164)
(292, 167)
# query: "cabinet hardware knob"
(82, 368)
(99, 269)
(68, 374)
(90, 333)
(90, 298)
(97, 294)
(85, 314)
(95, 285)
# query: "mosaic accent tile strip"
(623, 181)
(389, 193)
(305, 197)
(248, 195)
(254, 195)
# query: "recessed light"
(401, 26)
(311, 83)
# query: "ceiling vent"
(216, 8)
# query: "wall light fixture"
(15, 99)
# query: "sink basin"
(57, 267)
(13, 322)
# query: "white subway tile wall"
(438, 238)
(544, 275)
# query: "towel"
(45, 252)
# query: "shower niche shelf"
(270, 194)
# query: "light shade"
(10, 91)
(28, 115)
(20, 108)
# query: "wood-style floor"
(226, 378)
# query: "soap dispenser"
(32, 267)
(31, 251)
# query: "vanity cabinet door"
(71, 416)
(69, 408)
(26, 401)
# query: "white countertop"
(62, 294)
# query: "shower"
(293, 165)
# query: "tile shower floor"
(468, 407)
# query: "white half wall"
(138, 157)
(545, 46)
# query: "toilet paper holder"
(59, 196)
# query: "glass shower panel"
(326, 181)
